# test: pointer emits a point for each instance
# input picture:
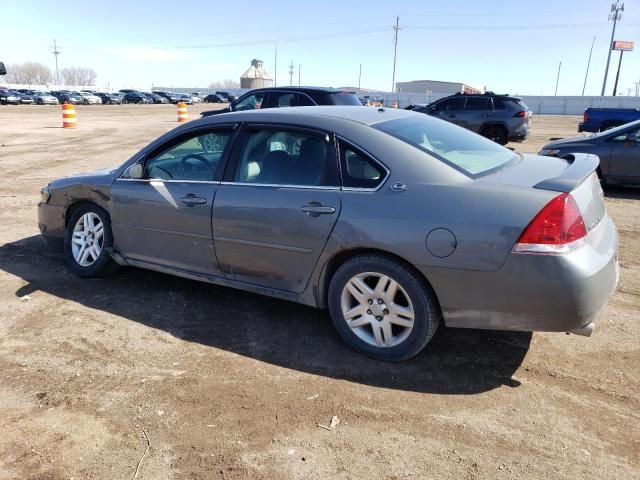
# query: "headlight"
(45, 194)
(549, 152)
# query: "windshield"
(460, 148)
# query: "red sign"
(623, 45)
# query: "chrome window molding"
(306, 187)
(149, 180)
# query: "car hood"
(102, 176)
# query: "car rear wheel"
(211, 143)
(87, 242)
(495, 133)
(382, 308)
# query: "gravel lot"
(184, 380)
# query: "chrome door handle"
(191, 200)
(315, 210)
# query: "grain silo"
(256, 76)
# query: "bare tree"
(28, 73)
(78, 76)
(226, 83)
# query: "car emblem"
(398, 187)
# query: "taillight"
(521, 114)
(585, 117)
(557, 228)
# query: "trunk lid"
(574, 173)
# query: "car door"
(477, 111)
(625, 156)
(277, 206)
(450, 109)
(165, 216)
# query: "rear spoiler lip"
(581, 166)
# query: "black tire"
(426, 310)
(496, 133)
(101, 266)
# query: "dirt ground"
(173, 379)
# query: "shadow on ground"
(457, 361)
(625, 193)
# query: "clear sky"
(509, 46)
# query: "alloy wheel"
(377, 309)
(88, 239)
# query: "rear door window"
(476, 103)
(451, 104)
(359, 170)
(303, 100)
(280, 99)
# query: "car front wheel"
(87, 242)
(382, 308)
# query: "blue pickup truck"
(600, 119)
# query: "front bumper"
(554, 293)
(51, 223)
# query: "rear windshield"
(466, 151)
(344, 98)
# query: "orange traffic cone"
(69, 119)
(183, 116)
(394, 104)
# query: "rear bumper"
(554, 293)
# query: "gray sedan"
(618, 149)
(393, 220)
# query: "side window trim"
(302, 94)
(341, 143)
(232, 164)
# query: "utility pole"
(637, 84)
(291, 74)
(396, 29)
(588, 63)
(558, 77)
(359, 76)
(275, 68)
(616, 14)
(299, 67)
(56, 52)
(615, 85)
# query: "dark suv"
(289, 97)
(500, 118)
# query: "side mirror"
(632, 138)
(3, 70)
(135, 171)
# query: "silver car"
(393, 220)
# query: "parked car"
(617, 148)
(501, 118)
(110, 98)
(214, 98)
(334, 207)
(89, 98)
(44, 98)
(171, 97)
(195, 97)
(8, 97)
(229, 97)
(186, 98)
(289, 97)
(135, 97)
(24, 98)
(372, 100)
(157, 98)
(600, 119)
(65, 96)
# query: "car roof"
(363, 115)
(303, 89)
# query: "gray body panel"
(258, 239)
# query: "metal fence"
(548, 105)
